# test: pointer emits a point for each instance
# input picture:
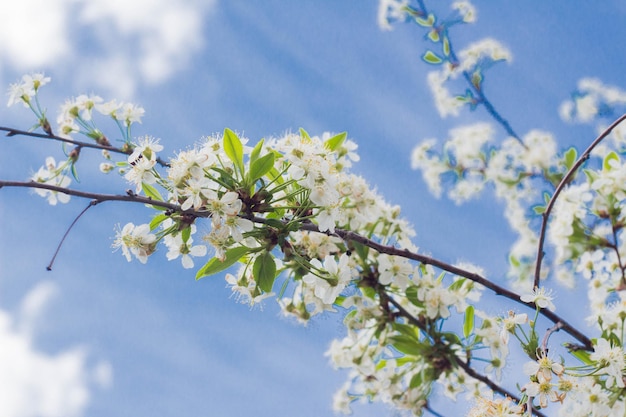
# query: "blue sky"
(148, 340)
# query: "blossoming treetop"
(297, 224)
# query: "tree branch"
(308, 226)
(546, 337)
(466, 367)
(498, 290)
(569, 176)
(130, 196)
(15, 132)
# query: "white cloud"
(146, 40)
(33, 304)
(33, 33)
(37, 384)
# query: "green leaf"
(157, 220)
(274, 175)
(233, 149)
(582, 355)
(215, 265)
(614, 340)
(431, 58)
(406, 345)
(348, 316)
(546, 197)
(416, 380)
(369, 292)
(530, 348)
(539, 209)
(264, 270)
(411, 294)
(361, 249)
(74, 172)
(477, 79)
(336, 141)
(426, 22)
(406, 329)
(452, 338)
(570, 157)
(468, 324)
(591, 175)
(256, 151)
(433, 35)
(151, 192)
(606, 163)
(261, 166)
(275, 223)
(457, 285)
(339, 300)
(304, 134)
(446, 46)
(186, 234)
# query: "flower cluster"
(76, 116)
(27, 89)
(592, 99)
(52, 174)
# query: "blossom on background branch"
(567, 178)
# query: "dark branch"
(498, 290)
(431, 411)
(414, 321)
(14, 132)
(130, 197)
(482, 378)
(344, 234)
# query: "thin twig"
(431, 411)
(480, 96)
(414, 321)
(546, 337)
(569, 176)
(495, 387)
(14, 132)
(56, 252)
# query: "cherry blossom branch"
(479, 93)
(464, 365)
(130, 196)
(482, 98)
(15, 132)
(344, 234)
(495, 387)
(569, 176)
(498, 290)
